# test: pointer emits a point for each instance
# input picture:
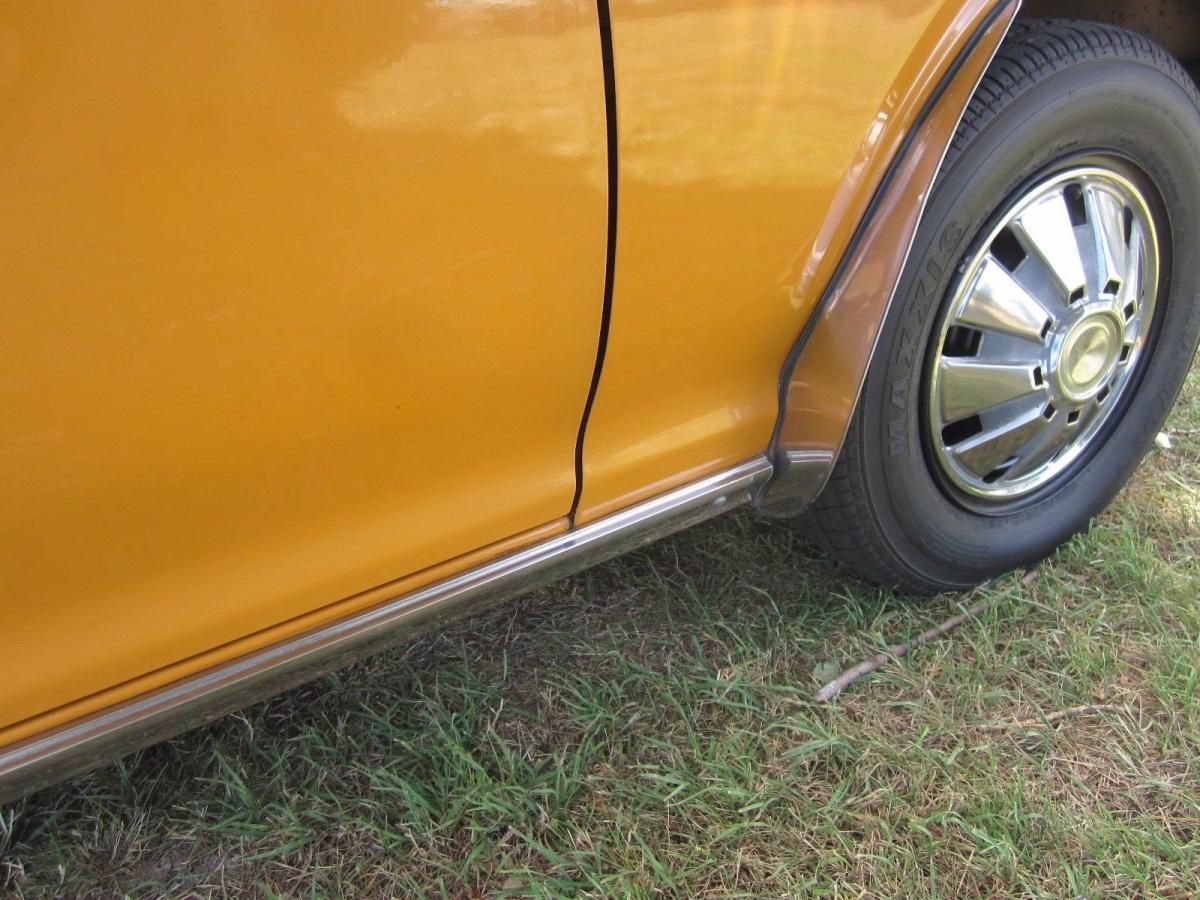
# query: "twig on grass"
(867, 666)
(1087, 709)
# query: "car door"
(297, 300)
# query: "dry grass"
(648, 728)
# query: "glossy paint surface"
(751, 137)
(296, 299)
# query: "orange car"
(322, 323)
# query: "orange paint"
(296, 299)
(752, 136)
(300, 303)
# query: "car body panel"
(297, 300)
(751, 137)
(498, 136)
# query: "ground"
(649, 727)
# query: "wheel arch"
(823, 374)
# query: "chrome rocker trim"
(190, 702)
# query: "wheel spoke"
(1132, 287)
(1052, 438)
(997, 302)
(1106, 215)
(1047, 232)
(985, 452)
(968, 387)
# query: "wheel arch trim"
(824, 372)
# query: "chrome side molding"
(190, 702)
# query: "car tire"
(910, 504)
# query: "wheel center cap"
(1087, 355)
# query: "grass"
(647, 728)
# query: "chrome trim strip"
(800, 476)
(190, 702)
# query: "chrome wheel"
(1043, 334)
